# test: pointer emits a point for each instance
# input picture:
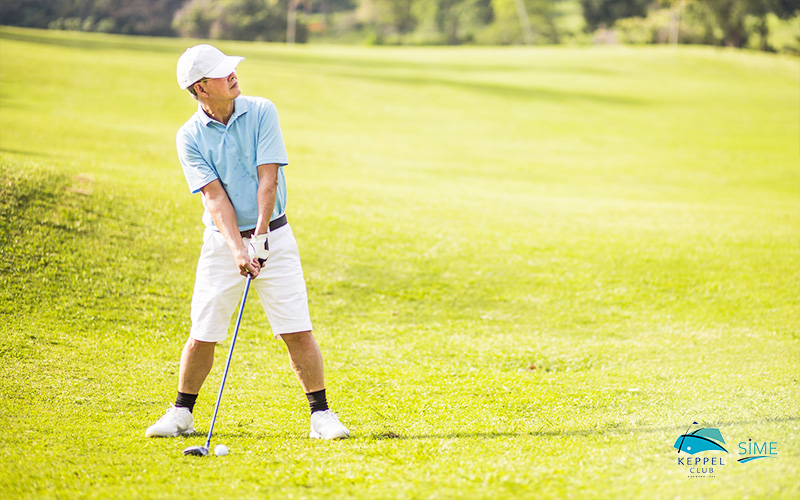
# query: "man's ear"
(198, 88)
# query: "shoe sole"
(174, 434)
(317, 435)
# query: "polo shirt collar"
(240, 107)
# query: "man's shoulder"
(193, 125)
(255, 100)
(260, 104)
(195, 128)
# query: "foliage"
(152, 17)
(691, 25)
(724, 22)
(736, 23)
(262, 20)
(397, 14)
(456, 22)
(605, 12)
(507, 27)
(455, 18)
(437, 21)
(731, 17)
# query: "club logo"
(707, 439)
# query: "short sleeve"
(197, 171)
(271, 148)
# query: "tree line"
(736, 23)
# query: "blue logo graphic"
(705, 439)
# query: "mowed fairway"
(530, 270)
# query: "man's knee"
(192, 344)
(298, 339)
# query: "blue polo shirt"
(209, 150)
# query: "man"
(232, 151)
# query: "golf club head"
(197, 451)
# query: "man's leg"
(306, 360)
(196, 362)
(282, 290)
(217, 289)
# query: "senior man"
(232, 152)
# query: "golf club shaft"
(228, 363)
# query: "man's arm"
(267, 189)
(224, 217)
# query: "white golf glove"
(259, 247)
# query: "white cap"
(204, 61)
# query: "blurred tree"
(195, 18)
(682, 21)
(731, 16)
(605, 12)
(398, 14)
(150, 17)
(141, 17)
(260, 20)
(510, 27)
(452, 21)
(402, 16)
(453, 17)
(33, 13)
(731, 22)
(328, 7)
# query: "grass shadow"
(382, 436)
(517, 92)
(23, 152)
(575, 432)
(317, 62)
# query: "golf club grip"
(228, 362)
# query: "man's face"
(222, 89)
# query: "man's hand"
(246, 264)
(224, 217)
(259, 248)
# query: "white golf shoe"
(175, 422)
(326, 425)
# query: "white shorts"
(218, 287)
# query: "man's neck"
(219, 111)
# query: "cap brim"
(225, 68)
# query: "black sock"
(317, 401)
(186, 400)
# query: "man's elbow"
(268, 185)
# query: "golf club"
(201, 451)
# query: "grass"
(529, 271)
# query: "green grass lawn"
(530, 270)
